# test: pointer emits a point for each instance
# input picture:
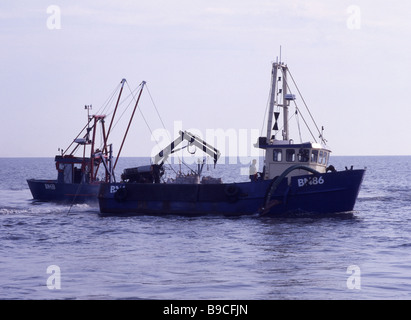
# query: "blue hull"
(53, 191)
(327, 193)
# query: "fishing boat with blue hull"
(296, 178)
(68, 187)
(79, 176)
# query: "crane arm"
(162, 156)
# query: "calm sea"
(50, 251)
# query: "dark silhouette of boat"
(296, 177)
(79, 176)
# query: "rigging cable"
(148, 126)
(144, 118)
(164, 127)
(289, 119)
(108, 101)
(101, 110)
(126, 108)
(309, 112)
(298, 124)
(306, 124)
(158, 114)
(298, 109)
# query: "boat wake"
(35, 207)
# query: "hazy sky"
(207, 65)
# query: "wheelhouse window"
(323, 158)
(77, 172)
(326, 157)
(303, 155)
(314, 156)
(290, 155)
(277, 155)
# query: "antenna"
(280, 54)
(88, 108)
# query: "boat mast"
(115, 109)
(272, 101)
(129, 123)
(93, 152)
(285, 102)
